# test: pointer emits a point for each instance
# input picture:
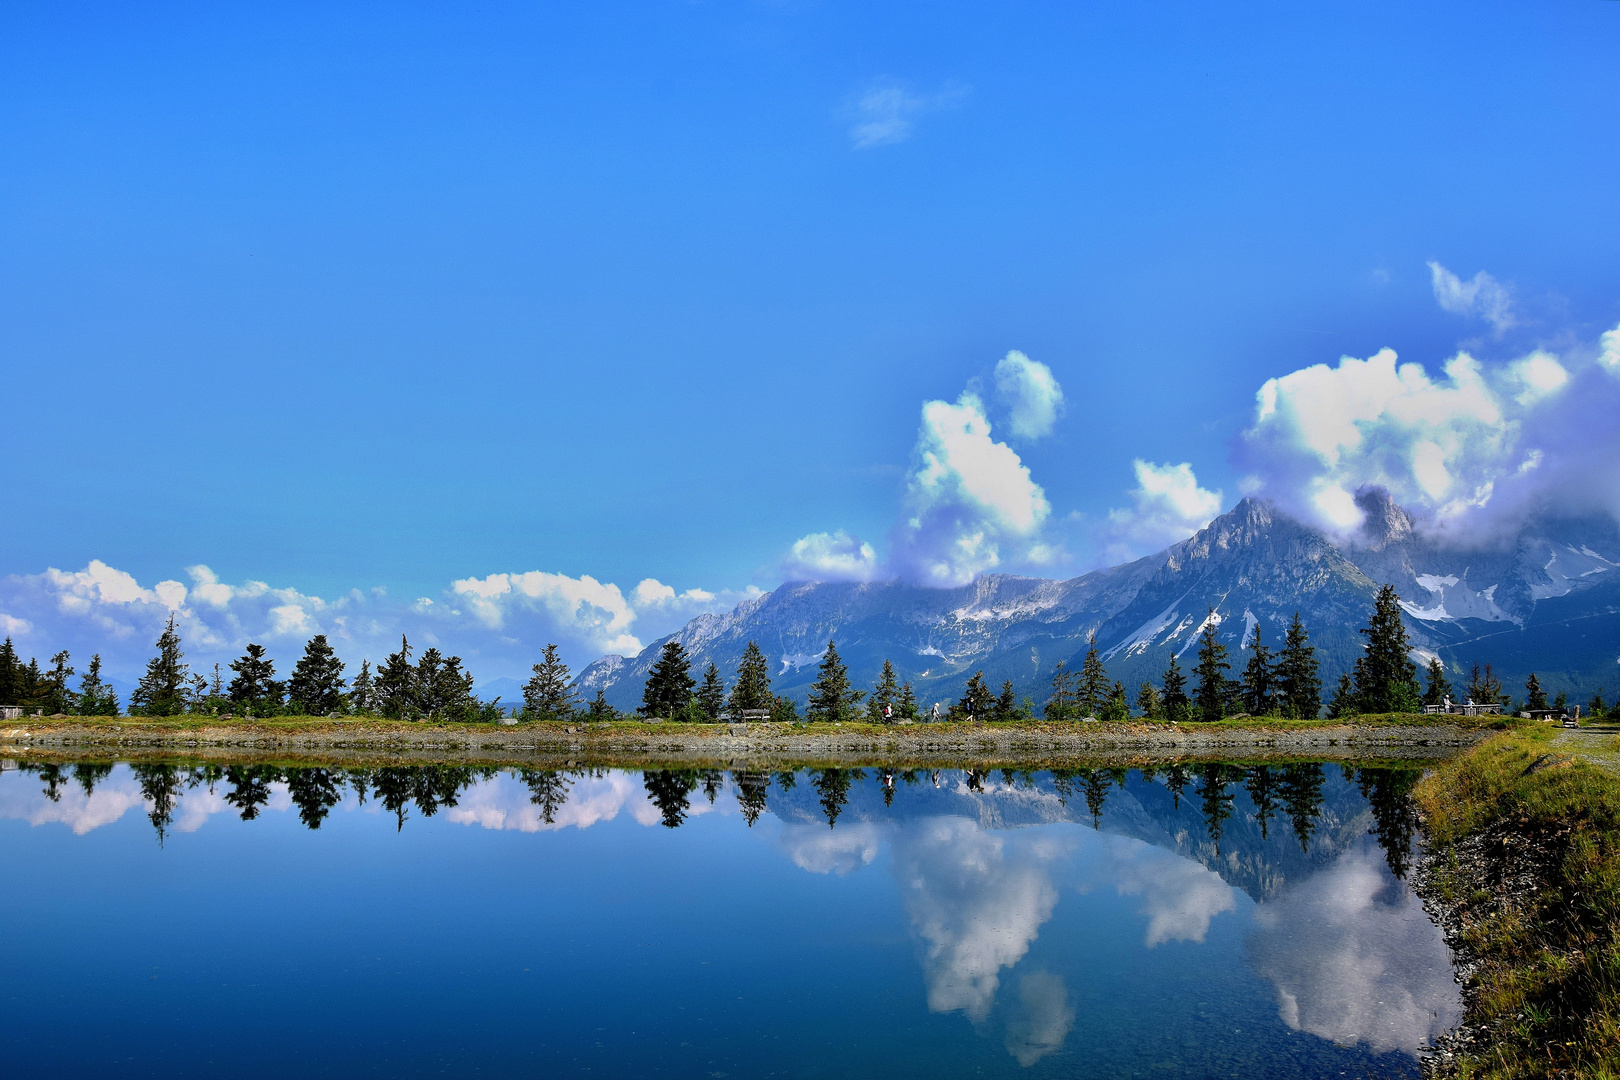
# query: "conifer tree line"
(1282, 682)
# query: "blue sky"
(337, 298)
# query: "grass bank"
(1524, 869)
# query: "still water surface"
(1211, 921)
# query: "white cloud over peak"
(835, 556)
(970, 500)
(1031, 394)
(886, 111)
(1482, 295)
(1168, 506)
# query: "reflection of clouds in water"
(830, 851)
(21, 798)
(503, 803)
(1354, 957)
(977, 900)
(1179, 896)
(1042, 1020)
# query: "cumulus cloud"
(1355, 959)
(830, 851)
(835, 556)
(1483, 295)
(1030, 393)
(503, 803)
(497, 623)
(970, 500)
(1179, 896)
(1168, 506)
(886, 112)
(1609, 350)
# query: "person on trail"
(936, 712)
(888, 715)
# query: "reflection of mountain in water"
(1215, 819)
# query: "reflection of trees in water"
(250, 788)
(162, 786)
(1301, 787)
(548, 790)
(1176, 778)
(668, 789)
(1260, 783)
(314, 792)
(712, 780)
(753, 790)
(1388, 794)
(90, 773)
(833, 787)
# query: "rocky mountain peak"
(1384, 523)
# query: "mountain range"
(1545, 600)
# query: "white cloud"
(834, 556)
(1169, 507)
(1031, 394)
(1538, 375)
(10, 625)
(970, 499)
(1179, 896)
(886, 112)
(1483, 296)
(830, 851)
(1609, 350)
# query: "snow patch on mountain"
(1147, 633)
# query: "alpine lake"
(183, 919)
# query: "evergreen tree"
(1484, 688)
(1211, 671)
(547, 790)
(711, 694)
(1117, 708)
(753, 687)
(1385, 677)
(1006, 709)
(363, 694)
(1597, 706)
(1177, 706)
(59, 697)
(977, 703)
(34, 684)
(1092, 693)
(161, 691)
(1299, 686)
(600, 710)
(1259, 692)
(1535, 698)
(832, 699)
(443, 688)
(784, 710)
(254, 690)
(907, 709)
(669, 683)
(885, 695)
(1439, 686)
(1060, 706)
(10, 675)
(669, 790)
(1345, 704)
(96, 698)
(317, 680)
(1149, 702)
(549, 694)
(394, 689)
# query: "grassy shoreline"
(1523, 870)
(631, 743)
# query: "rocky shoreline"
(670, 745)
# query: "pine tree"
(317, 681)
(363, 694)
(1484, 688)
(1345, 704)
(1092, 694)
(443, 688)
(34, 686)
(96, 698)
(907, 709)
(753, 687)
(59, 697)
(1006, 709)
(394, 689)
(711, 694)
(669, 684)
(1535, 698)
(549, 694)
(161, 691)
(600, 710)
(10, 675)
(832, 699)
(1149, 702)
(1439, 687)
(1259, 693)
(1177, 706)
(1385, 677)
(1299, 686)
(1211, 671)
(254, 690)
(885, 695)
(977, 701)
(1060, 706)
(1117, 708)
